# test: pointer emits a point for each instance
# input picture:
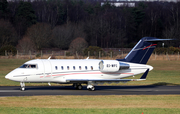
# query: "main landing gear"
(22, 86)
(90, 86)
(77, 86)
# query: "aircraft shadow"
(84, 87)
(98, 87)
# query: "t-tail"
(142, 50)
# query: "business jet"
(87, 71)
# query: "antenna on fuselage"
(49, 58)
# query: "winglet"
(49, 58)
(87, 58)
(145, 74)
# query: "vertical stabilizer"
(142, 50)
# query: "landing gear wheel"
(22, 88)
(91, 89)
(90, 86)
(79, 87)
(74, 85)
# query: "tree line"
(56, 23)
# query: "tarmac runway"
(100, 90)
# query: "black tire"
(91, 89)
(22, 88)
(79, 87)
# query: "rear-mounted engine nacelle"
(112, 66)
(123, 66)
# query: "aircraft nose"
(11, 75)
(8, 76)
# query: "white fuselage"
(58, 71)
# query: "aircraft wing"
(143, 77)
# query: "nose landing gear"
(22, 86)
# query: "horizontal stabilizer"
(157, 40)
(145, 74)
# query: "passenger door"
(47, 70)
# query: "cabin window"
(91, 67)
(86, 67)
(62, 68)
(74, 67)
(68, 67)
(56, 67)
(79, 67)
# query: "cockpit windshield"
(28, 66)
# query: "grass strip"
(21, 110)
(103, 102)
